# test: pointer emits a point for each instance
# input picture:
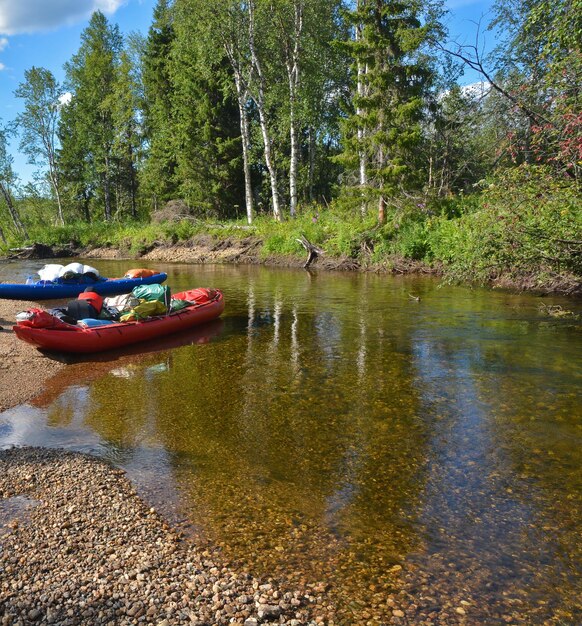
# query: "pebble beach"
(78, 546)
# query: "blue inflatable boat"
(47, 290)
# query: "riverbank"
(219, 248)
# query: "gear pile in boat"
(90, 309)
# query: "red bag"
(43, 319)
(199, 296)
(92, 298)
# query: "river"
(372, 435)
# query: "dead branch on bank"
(312, 251)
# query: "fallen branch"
(313, 251)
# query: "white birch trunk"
(293, 166)
(48, 140)
(246, 142)
(293, 76)
(311, 161)
(363, 170)
(55, 183)
(259, 98)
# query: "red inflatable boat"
(84, 340)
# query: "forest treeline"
(345, 120)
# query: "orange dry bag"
(140, 273)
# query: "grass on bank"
(524, 225)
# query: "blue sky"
(46, 33)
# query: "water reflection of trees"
(303, 436)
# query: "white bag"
(72, 269)
(50, 272)
(122, 302)
(87, 269)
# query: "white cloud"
(3, 43)
(65, 98)
(28, 16)
(2, 67)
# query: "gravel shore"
(78, 546)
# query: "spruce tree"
(384, 131)
(206, 122)
(91, 77)
(159, 173)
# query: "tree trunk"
(246, 142)
(270, 164)
(363, 170)
(293, 166)
(55, 184)
(259, 99)
(2, 236)
(311, 162)
(61, 216)
(293, 76)
(54, 176)
(86, 211)
(13, 211)
(381, 210)
(107, 191)
(132, 183)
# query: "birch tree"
(241, 27)
(289, 21)
(257, 90)
(38, 123)
(316, 76)
(361, 90)
(234, 49)
(7, 182)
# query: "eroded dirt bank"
(205, 249)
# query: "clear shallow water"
(332, 429)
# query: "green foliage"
(528, 223)
(540, 61)
(88, 129)
(38, 124)
(158, 173)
